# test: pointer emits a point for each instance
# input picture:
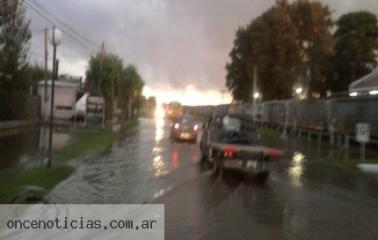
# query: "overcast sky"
(174, 43)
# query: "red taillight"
(195, 127)
(177, 126)
(229, 151)
(273, 153)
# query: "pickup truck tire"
(218, 168)
(204, 155)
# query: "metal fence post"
(347, 140)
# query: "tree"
(356, 44)
(277, 56)
(313, 22)
(14, 45)
(107, 77)
(269, 45)
(129, 90)
(103, 76)
(33, 74)
(238, 79)
(273, 44)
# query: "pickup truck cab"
(230, 141)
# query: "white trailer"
(64, 102)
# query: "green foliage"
(129, 90)
(13, 180)
(103, 76)
(35, 73)
(313, 22)
(278, 55)
(238, 79)
(86, 140)
(130, 84)
(14, 45)
(273, 44)
(356, 43)
(106, 76)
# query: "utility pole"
(56, 39)
(98, 83)
(102, 51)
(55, 76)
(46, 76)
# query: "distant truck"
(173, 110)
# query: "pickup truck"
(230, 141)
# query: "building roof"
(59, 83)
(366, 83)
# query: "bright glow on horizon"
(159, 112)
(188, 96)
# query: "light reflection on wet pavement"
(141, 166)
(306, 197)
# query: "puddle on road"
(296, 169)
(146, 163)
(26, 146)
(143, 166)
(307, 161)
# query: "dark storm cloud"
(174, 43)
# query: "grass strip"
(12, 181)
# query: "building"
(367, 85)
(66, 94)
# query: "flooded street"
(27, 146)
(308, 196)
(245, 119)
(141, 166)
(18, 146)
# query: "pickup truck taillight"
(229, 152)
(273, 153)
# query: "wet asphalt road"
(306, 197)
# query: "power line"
(73, 37)
(38, 29)
(45, 10)
(42, 13)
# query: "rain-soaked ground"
(308, 196)
(26, 146)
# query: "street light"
(256, 95)
(55, 39)
(299, 90)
